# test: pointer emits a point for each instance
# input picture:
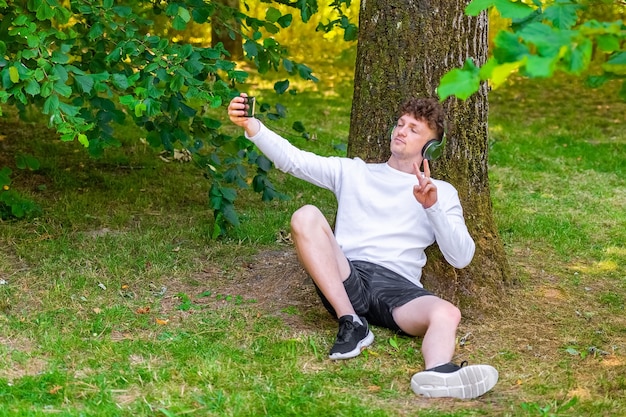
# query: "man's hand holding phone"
(241, 112)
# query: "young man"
(369, 268)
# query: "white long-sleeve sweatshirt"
(378, 218)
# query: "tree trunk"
(404, 48)
(226, 30)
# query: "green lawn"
(115, 301)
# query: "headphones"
(433, 149)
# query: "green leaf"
(179, 23)
(21, 20)
(123, 11)
(85, 83)
(461, 83)
(32, 87)
(177, 82)
(477, 6)
(32, 41)
(44, 11)
(543, 67)
(270, 28)
(616, 64)
(82, 139)
(215, 101)
(264, 163)
(509, 48)
(24, 161)
(69, 109)
(285, 21)
(507, 8)
(547, 40)
(298, 126)
(580, 56)
(114, 56)
(251, 48)
(128, 100)
(5, 176)
(184, 14)
(281, 86)
(306, 73)
(501, 73)
(51, 105)
(120, 81)
(288, 65)
(513, 10)
(140, 109)
(272, 15)
(608, 43)
(62, 89)
(14, 75)
(351, 33)
(96, 31)
(562, 15)
(46, 88)
(229, 194)
(393, 342)
(230, 214)
(29, 53)
(59, 58)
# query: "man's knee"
(304, 218)
(448, 312)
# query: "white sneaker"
(455, 381)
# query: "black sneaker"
(352, 338)
(455, 381)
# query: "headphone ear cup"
(434, 148)
(431, 150)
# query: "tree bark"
(404, 48)
(226, 30)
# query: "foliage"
(91, 65)
(543, 38)
(12, 203)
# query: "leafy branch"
(89, 65)
(542, 39)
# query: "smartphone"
(250, 104)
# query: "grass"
(117, 302)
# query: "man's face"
(409, 137)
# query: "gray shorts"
(375, 291)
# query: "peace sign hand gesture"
(425, 191)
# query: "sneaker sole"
(468, 382)
(368, 340)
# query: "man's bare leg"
(321, 256)
(437, 321)
(323, 259)
(434, 319)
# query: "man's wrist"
(253, 128)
